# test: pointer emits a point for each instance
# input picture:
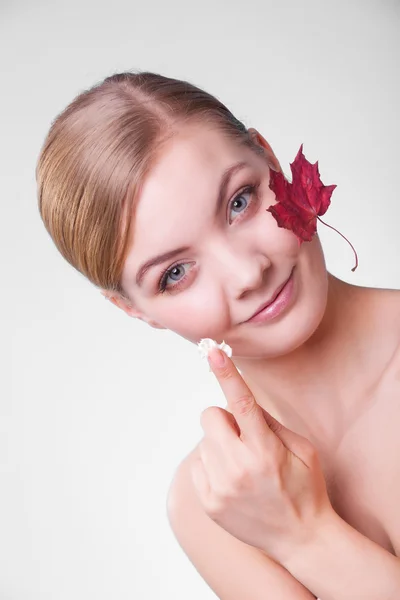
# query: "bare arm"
(232, 569)
(343, 564)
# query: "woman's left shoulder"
(386, 303)
(383, 314)
(392, 305)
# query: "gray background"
(97, 410)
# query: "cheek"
(312, 255)
(274, 241)
(195, 317)
(313, 280)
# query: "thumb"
(295, 443)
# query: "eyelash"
(162, 286)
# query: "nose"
(243, 273)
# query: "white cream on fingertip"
(206, 344)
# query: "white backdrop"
(97, 410)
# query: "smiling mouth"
(276, 294)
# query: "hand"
(257, 479)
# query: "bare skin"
(328, 368)
(355, 426)
(358, 450)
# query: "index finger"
(240, 399)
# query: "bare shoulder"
(232, 569)
(384, 419)
(388, 314)
(382, 314)
(387, 305)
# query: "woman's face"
(225, 258)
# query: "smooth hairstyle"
(96, 155)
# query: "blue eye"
(248, 190)
(171, 272)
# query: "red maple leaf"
(302, 202)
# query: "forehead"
(179, 193)
(191, 161)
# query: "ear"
(128, 308)
(261, 141)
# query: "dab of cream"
(206, 344)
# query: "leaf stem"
(344, 237)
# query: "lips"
(276, 293)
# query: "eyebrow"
(157, 260)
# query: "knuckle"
(245, 404)
(215, 508)
(227, 494)
(206, 411)
(208, 414)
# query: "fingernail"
(216, 357)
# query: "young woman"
(153, 190)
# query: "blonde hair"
(97, 153)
